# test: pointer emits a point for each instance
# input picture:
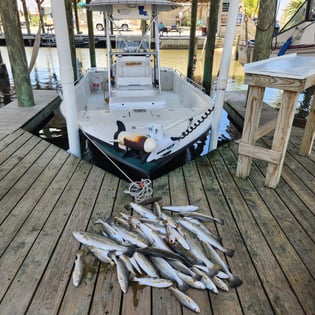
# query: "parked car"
(119, 24)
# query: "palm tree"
(290, 9)
(251, 8)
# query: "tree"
(15, 45)
(265, 29)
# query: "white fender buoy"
(136, 142)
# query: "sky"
(282, 4)
(31, 4)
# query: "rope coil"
(140, 190)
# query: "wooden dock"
(46, 194)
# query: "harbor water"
(45, 75)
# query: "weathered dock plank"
(252, 296)
(289, 261)
(195, 186)
(272, 276)
(25, 205)
(185, 189)
(292, 168)
(22, 145)
(162, 300)
(83, 295)
(48, 301)
(16, 182)
(25, 283)
(46, 194)
(24, 239)
(14, 117)
(287, 220)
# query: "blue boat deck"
(46, 194)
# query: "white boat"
(135, 112)
(298, 34)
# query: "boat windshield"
(305, 12)
(133, 44)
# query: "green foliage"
(290, 9)
(251, 8)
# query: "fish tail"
(214, 270)
(130, 251)
(229, 252)
(183, 286)
(235, 282)
(221, 221)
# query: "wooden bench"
(292, 74)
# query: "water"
(46, 71)
(47, 64)
(42, 75)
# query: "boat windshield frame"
(134, 45)
(306, 12)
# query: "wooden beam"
(265, 129)
(261, 153)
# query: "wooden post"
(26, 17)
(77, 22)
(194, 7)
(210, 44)
(68, 6)
(281, 135)
(89, 17)
(15, 45)
(309, 132)
(251, 121)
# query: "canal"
(45, 75)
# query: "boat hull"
(131, 165)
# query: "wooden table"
(292, 74)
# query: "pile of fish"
(166, 247)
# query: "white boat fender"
(136, 142)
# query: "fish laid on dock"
(156, 249)
(78, 269)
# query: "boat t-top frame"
(129, 46)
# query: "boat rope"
(191, 128)
(35, 49)
(139, 190)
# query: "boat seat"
(133, 71)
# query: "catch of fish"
(166, 247)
